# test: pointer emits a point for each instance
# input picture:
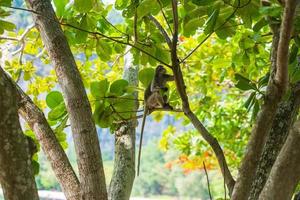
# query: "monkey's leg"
(166, 103)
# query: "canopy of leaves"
(225, 77)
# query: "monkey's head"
(160, 70)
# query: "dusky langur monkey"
(154, 97)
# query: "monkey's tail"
(141, 140)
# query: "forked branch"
(180, 85)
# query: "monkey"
(154, 97)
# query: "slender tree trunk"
(49, 143)
(124, 164)
(284, 118)
(92, 179)
(16, 172)
(285, 173)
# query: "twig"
(239, 6)
(141, 116)
(119, 56)
(8, 38)
(115, 111)
(163, 13)
(114, 27)
(224, 183)
(207, 179)
(20, 39)
(40, 54)
(112, 97)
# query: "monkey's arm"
(141, 138)
(168, 77)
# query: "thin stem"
(207, 179)
(163, 13)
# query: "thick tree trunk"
(124, 164)
(16, 172)
(49, 143)
(86, 142)
(285, 173)
(284, 118)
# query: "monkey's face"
(160, 69)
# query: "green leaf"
(99, 88)
(27, 76)
(145, 76)
(161, 54)
(243, 83)
(7, 25)
(202, 2)
(54, 99)
(57, 112)
(83, 6)
(36, 167)
(192, 25)
(118, 87)
(293, 54)
(260, 24)
(211, 22)
(99, 108)
(106, 119)
(81, 36)
(62, 124)
(249, 100)
(121, 4)
(60, 6)
(226, 31)
(5, 3)
(103, 50)
(146, 7)
(124, 106)
(263, 81)
(119, 48)
(246, 59)
(297, 40)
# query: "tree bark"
(49, 143)
(284, 118)
(16, 171)
(285, 173)
(275, 90)
(92, 179)
(124, 164)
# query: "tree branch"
(180, 85)
(207, 180)
(55, 154)
(275, 91)
(285, 173)
(285, 116)
(163, 13)
(162, 30)
(17, 176)
(90, 166)
(281, 76)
